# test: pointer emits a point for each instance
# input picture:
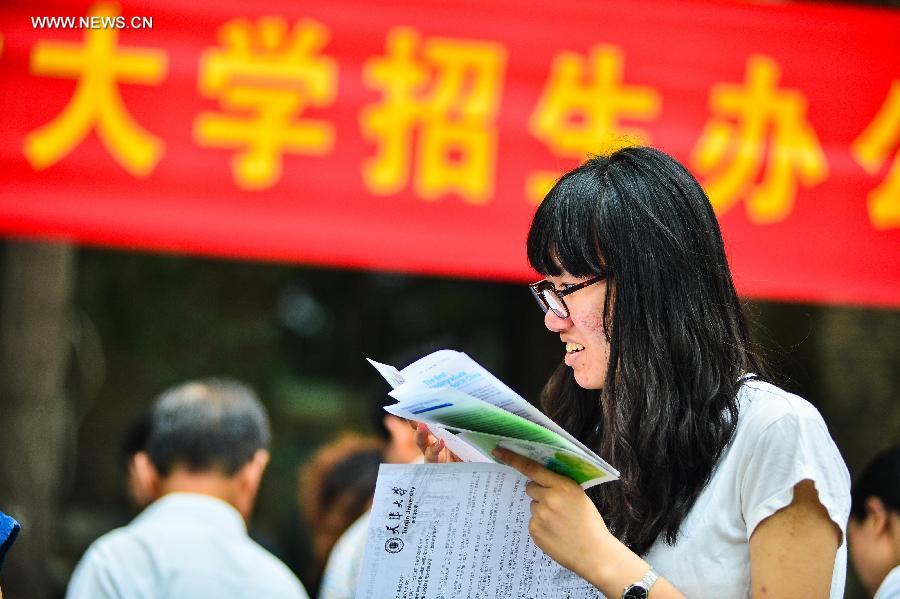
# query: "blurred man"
(205, 455)
(874, 527)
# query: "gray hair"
(212, 424)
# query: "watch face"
(635, 591)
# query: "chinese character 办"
(730, 154)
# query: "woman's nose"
(555, 323)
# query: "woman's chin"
(587, 381)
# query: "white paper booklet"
(474, 412)
(448, 531)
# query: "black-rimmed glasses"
(549, 297)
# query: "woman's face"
(585, 345)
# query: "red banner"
(419, 136)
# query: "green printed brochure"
(474, 412)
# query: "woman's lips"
(572, 357)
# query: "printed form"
(449, 531)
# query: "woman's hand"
(565, 524)
(434, 449)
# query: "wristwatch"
(641, 589)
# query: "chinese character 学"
(99, 65)
(872, 149)
(441, 95)
(732, 147)
(581, 108)
(264, 76)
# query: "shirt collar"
(890, 583)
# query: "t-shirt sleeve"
(92, 579)
(793, 448)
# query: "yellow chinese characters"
(730, 154)
(447, 91)
(99, 65)
(872, 149)
(267, 75)
(581, 108)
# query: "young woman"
(730, 487)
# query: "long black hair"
(679, 343)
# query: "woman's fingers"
(433, 452)
(422, 435)
(434, 449)
(535, 491)
(530, 468)
(430, 446)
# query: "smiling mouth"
(572, 348)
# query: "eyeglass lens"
(555, 303)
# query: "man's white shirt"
(182, 545)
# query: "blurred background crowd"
(129, 325)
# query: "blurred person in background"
(874, 527)
(342, 570)
(9, 530)
(205, 455)
(334, 488)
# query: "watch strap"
(650, 578)
(642, 587)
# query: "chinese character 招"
(99, 65)
(872, 149)
(447, 91)
(730, 155)
(267, 75)
(581, 108)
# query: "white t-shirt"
(780, 440)
(890, 586)
(345, 560)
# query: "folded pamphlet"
(474, 412)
